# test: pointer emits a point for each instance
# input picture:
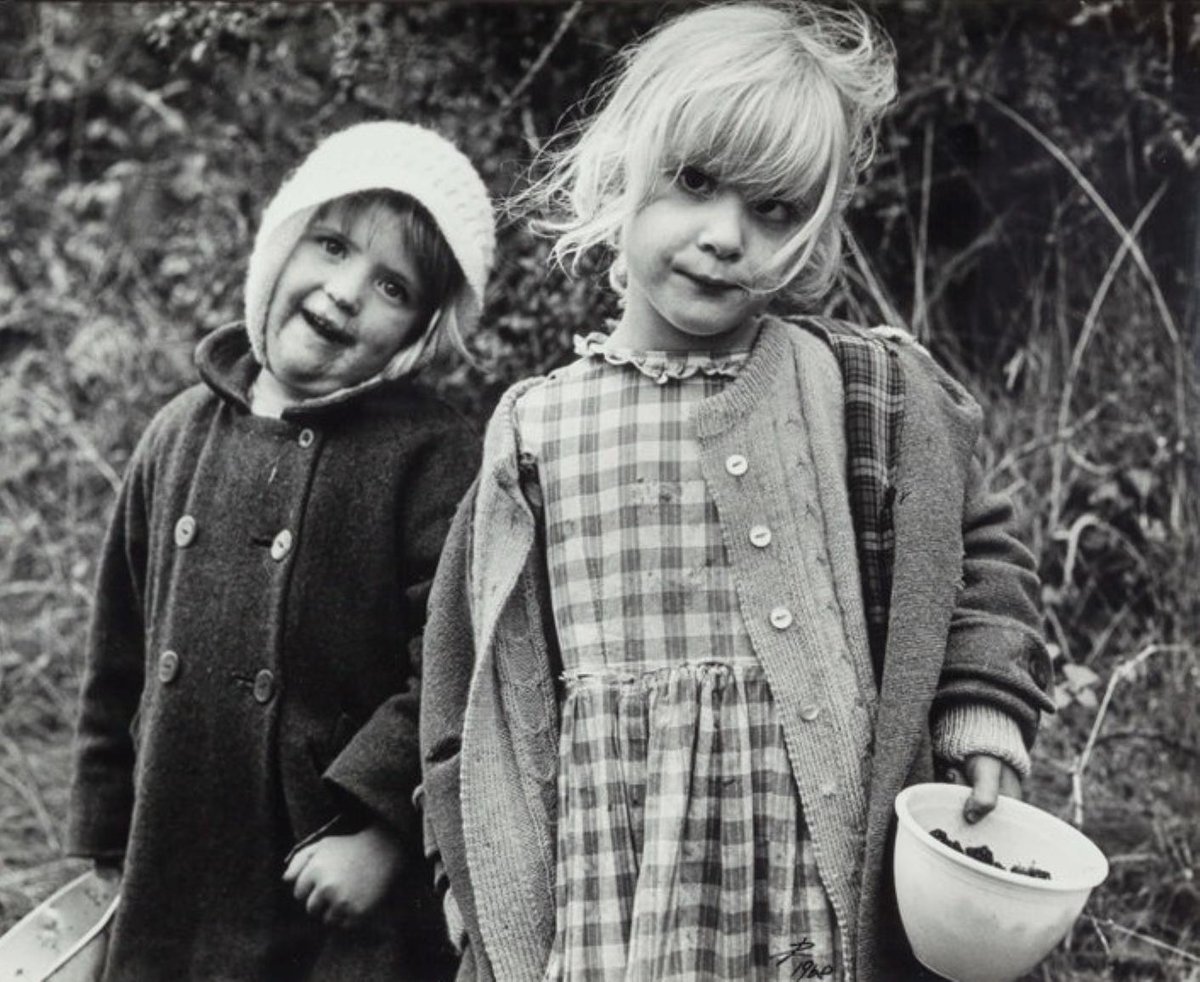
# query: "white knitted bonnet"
(379, 156)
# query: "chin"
(706, 329)
(302, 386)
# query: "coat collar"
(228, 366)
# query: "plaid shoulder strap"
(874, 413)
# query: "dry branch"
(1128, 238)
(1124, 670)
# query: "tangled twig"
(538, 63)
(1144, 938)
(1124, 670)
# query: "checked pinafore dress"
(682, 849)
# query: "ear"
(618, 274)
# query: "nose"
(722, 232)
(344, 288)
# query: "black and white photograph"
(647, 490)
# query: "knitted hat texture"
(392, 156)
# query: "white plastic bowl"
(971, 922)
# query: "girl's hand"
(989, 778)
(341, 878)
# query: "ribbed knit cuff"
(965, 730)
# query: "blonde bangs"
(777, 140)
(780, 99)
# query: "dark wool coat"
(253, 673)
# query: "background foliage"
(1033, 215)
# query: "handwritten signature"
(804, 967)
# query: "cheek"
(645, 254)
(767, 246)
(287, 295)
(657, 228)
(387, 338)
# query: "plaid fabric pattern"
(638, 572)
(874, 390)
(682, 849)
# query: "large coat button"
(168, 667)
(185, 531)
(306, 438)
(281, 545)
(264, 686)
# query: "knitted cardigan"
(962, 629)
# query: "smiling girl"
(246, 754)
(727, 582)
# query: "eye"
(394, 290)
(775, 211)
(331, 245)
(695, 181)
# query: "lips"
(326, 329)
(710, 284)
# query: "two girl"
(729, 581)
(723, 586)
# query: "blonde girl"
(727, 582)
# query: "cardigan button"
(736, 464)
(306, 438)
(281, 545)
(264, 686)
(809, 712)
(185, 531)
(781, 618)
(760, 536)
(168, 667)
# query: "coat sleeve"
(101, 797)
(996, 657)
(380, 769)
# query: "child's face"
(347, 300)
(691, 253)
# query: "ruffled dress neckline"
(662, 366)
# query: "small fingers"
(984, 774)
(319, 903)
(342, 915)
(989, 778)
(1010, 783)
(335, 916)
(307, 882)
(296, 866)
